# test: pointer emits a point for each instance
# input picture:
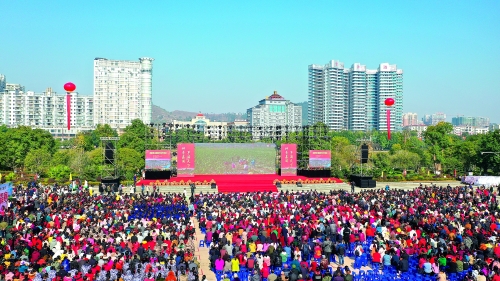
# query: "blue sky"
(220, 56)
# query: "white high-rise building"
(357, 116)
(45, 110)
(438, 117)
(3, 82)
(316, 105)
(122, 91)
(273, 115)
(354, 98)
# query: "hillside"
(160, 115)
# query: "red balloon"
(389, 101)
(69, 87)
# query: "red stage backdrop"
(185, 160)
(158, 160)
(288, 159)
(320, 158)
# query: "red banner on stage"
(288, 159)
(185, 160)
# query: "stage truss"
(167, 135)
(110, 165)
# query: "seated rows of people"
(48, 233)
(459, 224)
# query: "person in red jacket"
(265, 271)
(376, 259)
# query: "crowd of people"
(447, 233)
(55, 233)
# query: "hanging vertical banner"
(185, 160)
(5, 190)
(69, 88)
(68, 110)
(289, 159)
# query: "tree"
(86, 141)
(438, 139)
(466, 153)
(61, 157)
(343, 156)
(59, 172)
(37, 161)
(100, 132)
(382, 163)
(78, 161)
(404, 159)
(134, 136)
(395, 148)
(17, 142)
(95, 162)
(129, 162)
(489, 142)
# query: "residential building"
(469, 130)
(212, 129)
(357, 97)
(273, 116)
(410, 119)
(427, 119)
(470, 121)
(420, 129)
(122, 91)
(239, 125)
(14, 87)
(3, 83)
(47, 111)
(494, 127)
(434, 118)
(354, 98)
(390, 85)
(316, 106)
(437, 118)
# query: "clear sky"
(221, 56)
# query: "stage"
(239, 183)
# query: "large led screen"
(320, 158)
(235, 158)
(158, 160)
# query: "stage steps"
(319, 187)
(257, 187)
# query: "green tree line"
(437, 151)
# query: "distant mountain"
(160, 115)
(304, 112)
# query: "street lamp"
(489, 152)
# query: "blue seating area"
(389, 274)
(386, 274)
(148, 211)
